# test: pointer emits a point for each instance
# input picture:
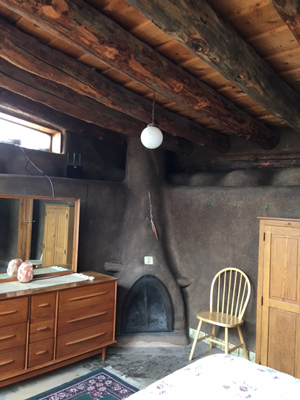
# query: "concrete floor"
(137, 364)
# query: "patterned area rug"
(96, 385)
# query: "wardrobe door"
(58, 235)
(49, 236)
(278, 310)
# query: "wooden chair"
(229, 296)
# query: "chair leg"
(213, 332)
(242, 341)
(195, 340)
(226, 341)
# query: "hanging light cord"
(51, 184)
(153, 107)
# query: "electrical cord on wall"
(52, 187)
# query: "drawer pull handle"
(88, 296)
(6, 362)
(87, 317)
(44, 305)
(39, 353)
(85, 339)
(42, 328)
(7, 337)
(9, 312)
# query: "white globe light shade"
(151, 137)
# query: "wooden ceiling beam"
(289, 11)
(197, 27)
(77, 23)
(29, 54)
(71, 103)
(249, 161)
(24, 108)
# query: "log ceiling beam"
(247, 162)
(77, 23)
(197, 27)
(289, 11)
(29, 54)
(67, 101)
(24, 108)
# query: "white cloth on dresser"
(15, 286)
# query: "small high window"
(26, 134)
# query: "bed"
(225, 377)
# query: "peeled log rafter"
(250, 161)
(289, 11)
(65, 100)
(197, 27)
(29, 54)
(77, 23)
(22, 107)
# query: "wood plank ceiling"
(219, 68)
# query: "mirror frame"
(75, 231)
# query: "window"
(26, 134)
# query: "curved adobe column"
(145, 172)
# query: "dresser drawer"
(42, 306)
(13, 311)
(12, 336)
(41, 330)
(73, 320)
(12, 360)
(40, 352)
(84, 340)
(86, 296)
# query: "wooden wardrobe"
(58, 235)
(278, 295)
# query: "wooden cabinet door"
(58, 235)
(62, 232)
(49, 236)
(24, 228)
(278, 309)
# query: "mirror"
(42, 230)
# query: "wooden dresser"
(44, 329)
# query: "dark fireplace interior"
(147, 307)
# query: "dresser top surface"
(99, 278)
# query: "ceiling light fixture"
(151, 136)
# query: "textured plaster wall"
(98, 161)
(206, 226)
(209, 228)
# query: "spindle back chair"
(229, 296)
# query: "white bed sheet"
(225, 377)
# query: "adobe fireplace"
(147, 307)
(149, 299)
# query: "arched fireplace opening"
(147, 307)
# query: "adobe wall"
(204, 226)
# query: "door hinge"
(65, 252)
(262, 301)
(264, 237)
(67, 215)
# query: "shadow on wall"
(241, 178)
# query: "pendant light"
(151, 136)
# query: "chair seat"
(220, 319)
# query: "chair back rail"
(230, 292)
